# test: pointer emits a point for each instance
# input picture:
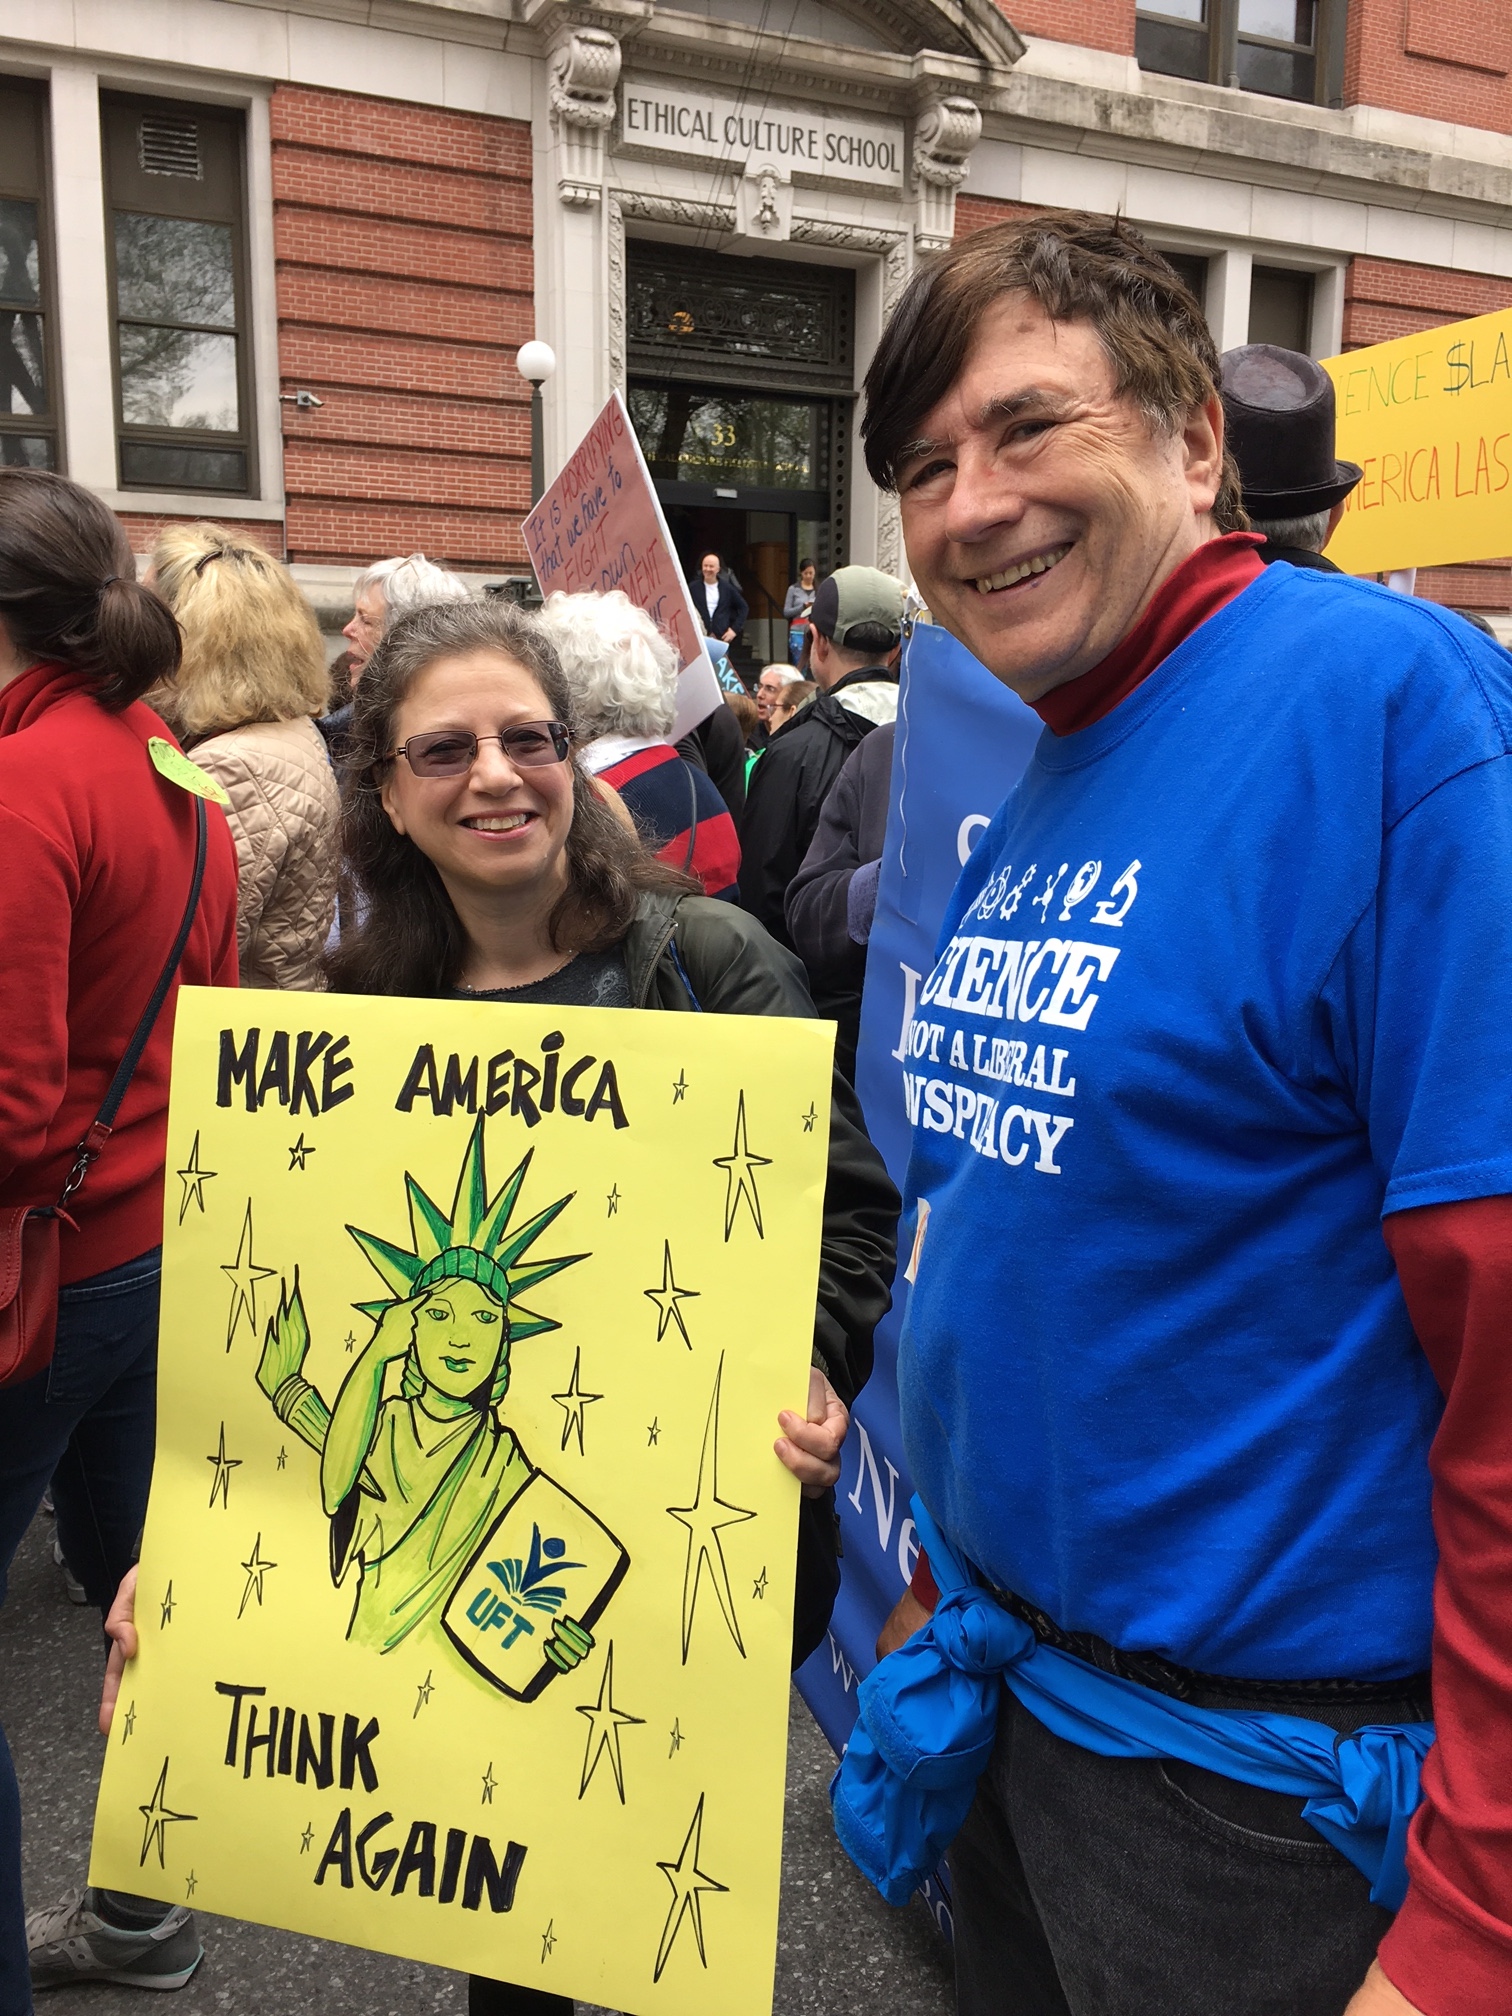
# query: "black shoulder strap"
(692, 815)
(104, 1120)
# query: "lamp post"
(535, 362)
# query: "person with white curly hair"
(623, 675)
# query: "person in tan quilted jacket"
(252, 680)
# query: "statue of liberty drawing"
(452, 1529)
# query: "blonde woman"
(253, 677)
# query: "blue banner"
(963, 741)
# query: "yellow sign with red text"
(1429, 419)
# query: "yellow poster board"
(1429, 420)
(466, 1592)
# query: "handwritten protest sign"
(600, 526)
(1429, 420)
(466, 1593)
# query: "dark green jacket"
(690, 952)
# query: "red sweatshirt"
(96, 854)
(1449, 1949)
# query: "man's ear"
(1202, 451)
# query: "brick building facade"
(280, 259)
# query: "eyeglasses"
(450, 752)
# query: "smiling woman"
(491, 870)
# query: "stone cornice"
(1357, 155)
(688, 47)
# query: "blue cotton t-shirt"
(1228, 977)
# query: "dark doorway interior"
(764, 548)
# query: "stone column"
(944, 134)
(582, 71)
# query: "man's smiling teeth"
(1040, 564)
(504, 824)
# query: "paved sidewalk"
(840, 1949)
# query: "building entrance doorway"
(739, 392)
(763, 549)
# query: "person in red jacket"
(98, 851)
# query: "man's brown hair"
(1080, 268)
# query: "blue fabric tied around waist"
(928, 1721)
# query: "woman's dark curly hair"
(409, 939)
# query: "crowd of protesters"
(1185, 1415)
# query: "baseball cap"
(853, 596)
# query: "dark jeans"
(1103, 1886)
(87, 1423)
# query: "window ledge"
(190, 504)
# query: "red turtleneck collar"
(1204, 582)
(29, 695)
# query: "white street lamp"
(535, 362)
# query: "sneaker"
(72, 1942)
(71, 1582)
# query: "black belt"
(1339, 1704)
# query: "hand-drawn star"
(306, 1838)
(223, 1465)
(194, 1180)
(809, 1118)
(548, 1941)
(613, 1201)
(688, 1884)
(128, 1723)
(704, 1528)
(283, 1458)
(191, 1884)
(256, 1569)
(158, 1813)
(423, 1693)
(759, 1586)
(244, 1275)
(490, 1786)
(740, 1167)
(653, 1433)
(679, 1088)
(605, 1722)
(167, 1616)
(667, 1298)
(300, 1153)
(573, 1402)
(678, 1738)
(350, 1341)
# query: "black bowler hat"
(1279, 409)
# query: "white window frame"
(85, 335)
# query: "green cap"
(852, 596)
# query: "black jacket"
(730, 611)
(852, 827)
(717, 747)
(689, 953)
(786, 790)
(1297, 556)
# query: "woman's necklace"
(465, 987)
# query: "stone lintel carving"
(944, 134)
(584, 69)
(719, 217)
(764, 201)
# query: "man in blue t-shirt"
(1221, 996)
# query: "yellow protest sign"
(1429, 420)
(466, 1592)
